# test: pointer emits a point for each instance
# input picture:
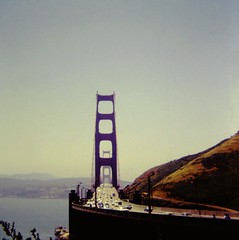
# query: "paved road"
(107, 198)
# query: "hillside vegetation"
(210, 177)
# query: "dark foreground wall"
(86, 223)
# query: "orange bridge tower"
(105, 141)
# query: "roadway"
(107, 197)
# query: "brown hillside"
(209, 177)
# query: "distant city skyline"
(173, 66)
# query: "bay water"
(42, 214)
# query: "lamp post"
(86, 195)
(196, 195)
(194, 182)
(82, 192)
(95, 196)
(78, 189)
(149, 192)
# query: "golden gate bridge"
(104, 213)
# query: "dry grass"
(216, 170)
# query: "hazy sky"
(173, 65)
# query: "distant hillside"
(42, 185)
(208, 177)
(35, 188)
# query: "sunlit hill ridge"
(210, 177)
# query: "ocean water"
(42, 214)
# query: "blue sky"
(173, 66)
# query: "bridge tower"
(105, 141)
